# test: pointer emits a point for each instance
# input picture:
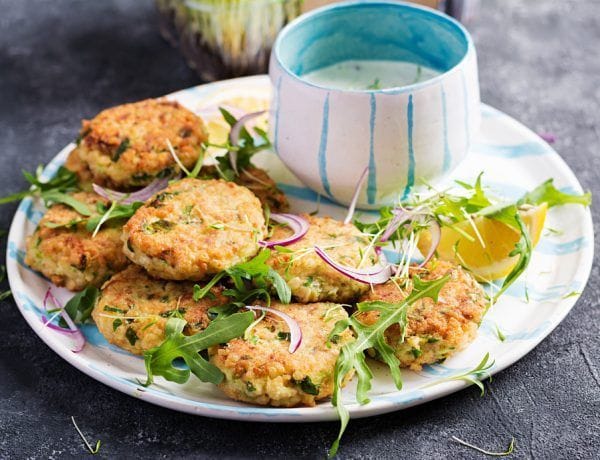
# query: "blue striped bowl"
(326, 136)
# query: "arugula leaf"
(473, 376)
(256, 271)
(546, 192)
(54, 196)
(80, 306)
(352, 355)
(159, 360)
(115, 211)
(245, 149)
(509, 215)
(64, 181)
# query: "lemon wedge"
(485, 251)
(218, 129)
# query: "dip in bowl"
(384, 85)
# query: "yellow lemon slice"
(217, 127)
(486, 251)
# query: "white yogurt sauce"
(364, 75)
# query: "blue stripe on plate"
(525, 149)
(560, 249)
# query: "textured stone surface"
(63, 60)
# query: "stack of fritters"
(195, 228)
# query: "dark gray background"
(62, 60)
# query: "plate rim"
(392, 401)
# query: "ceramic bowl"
(327, 136)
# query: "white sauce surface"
(364, 75)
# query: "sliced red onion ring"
(295, 331)
(54, 327)
(74, 330)
(298, 224)
(128, 198)
(373, 275)
(359, 185)
(400, 216)
(548, 137)
(234, 136)
(436, 235)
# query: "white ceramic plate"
(514, 160)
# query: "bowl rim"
(361, 3)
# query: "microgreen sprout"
(508, 451)
(91, 450)
(473, 376)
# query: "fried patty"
(308, 276)
(260, 183)
(125, 147)
(195, 228)
(435, 330)
(133, 309)
(65, 252)
(261, 370)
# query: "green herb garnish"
(372, 337)
(131, 336)
(124, 145)
(159, 360)
(548, 193)
(114, 309)
(250, 279)
(474, 376)
(115, 211)
(80, 306)
(63, 182)
(308, 387)
(375, 85)
(284, 335)
(245, 149)
(91, 450)
(508, 451)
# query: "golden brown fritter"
(65, 252)
(195, 228)
(260, 183)
(133, 309)
(308, 276)
(125, 146)
(261, 370)
(434, 330)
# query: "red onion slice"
(298, 224)
(400, 216)
(373, 275)
(73, 329)
(128, 198)
(56, 328)
(436, 236)
(550, 138)
(359, 184)
(234, 136)
(295, 331)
